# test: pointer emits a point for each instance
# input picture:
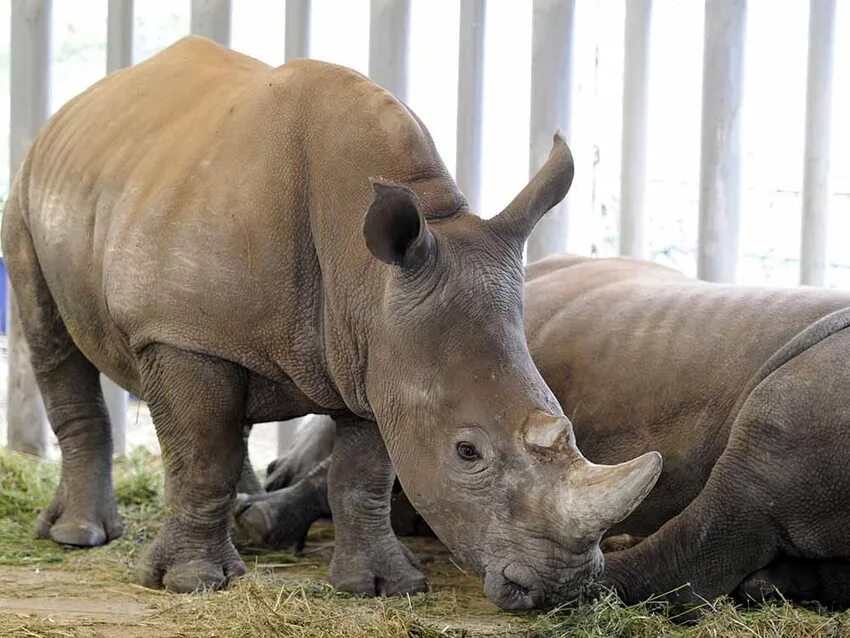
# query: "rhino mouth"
(515, 587)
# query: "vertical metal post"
(119, 54)
(720, 154)
(119, 35)
(818, 124)
(286, 433)
(389, 37)
(635, 98)
(470, 98)
(296, 40)
(211, 19)
(551, 97)
(30, 91)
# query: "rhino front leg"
(197, 405)
(368, 558)
(726, 533)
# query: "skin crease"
(194, 227)
(743, 391)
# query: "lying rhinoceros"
(743, 390)
(235, 244)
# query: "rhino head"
(477, 439)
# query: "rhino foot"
(185, 567)
(390, 572)
(283, 518)
(268, 526)
(64, 523)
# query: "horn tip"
(653, 463)
(655, 457)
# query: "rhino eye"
(467, 451)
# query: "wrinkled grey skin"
(239, 244)
(744, 392)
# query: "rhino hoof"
(391, 574)
(190, 576)
(369, 584)
(78, 533)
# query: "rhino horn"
(544, 433)
(546, 189)
(600, 496)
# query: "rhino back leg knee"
(83, 510)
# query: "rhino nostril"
(513, 588)
(515, 597)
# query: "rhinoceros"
(743, 390)
(236, 243)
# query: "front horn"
(600, 496)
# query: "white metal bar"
(286, 433)
(635, 99)
(470, 98)
(297, 30)
(29, 94)
(720, 154)
(389, 36)
(116, 399)
(818, 125)
(119, 54)
(551, 97)
(119, 35)
(211, 19)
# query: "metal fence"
(553, 26)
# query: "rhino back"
(642, 357)
(199, 199)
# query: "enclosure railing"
(552, 46)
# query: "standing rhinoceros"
(194, 227)
(744, 391)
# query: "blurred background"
(772, 111)
(770, 76)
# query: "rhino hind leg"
(282, 518)
(368, 558)
(83, 511)
(197, 403)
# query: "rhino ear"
(394, 227)
(546, 189)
